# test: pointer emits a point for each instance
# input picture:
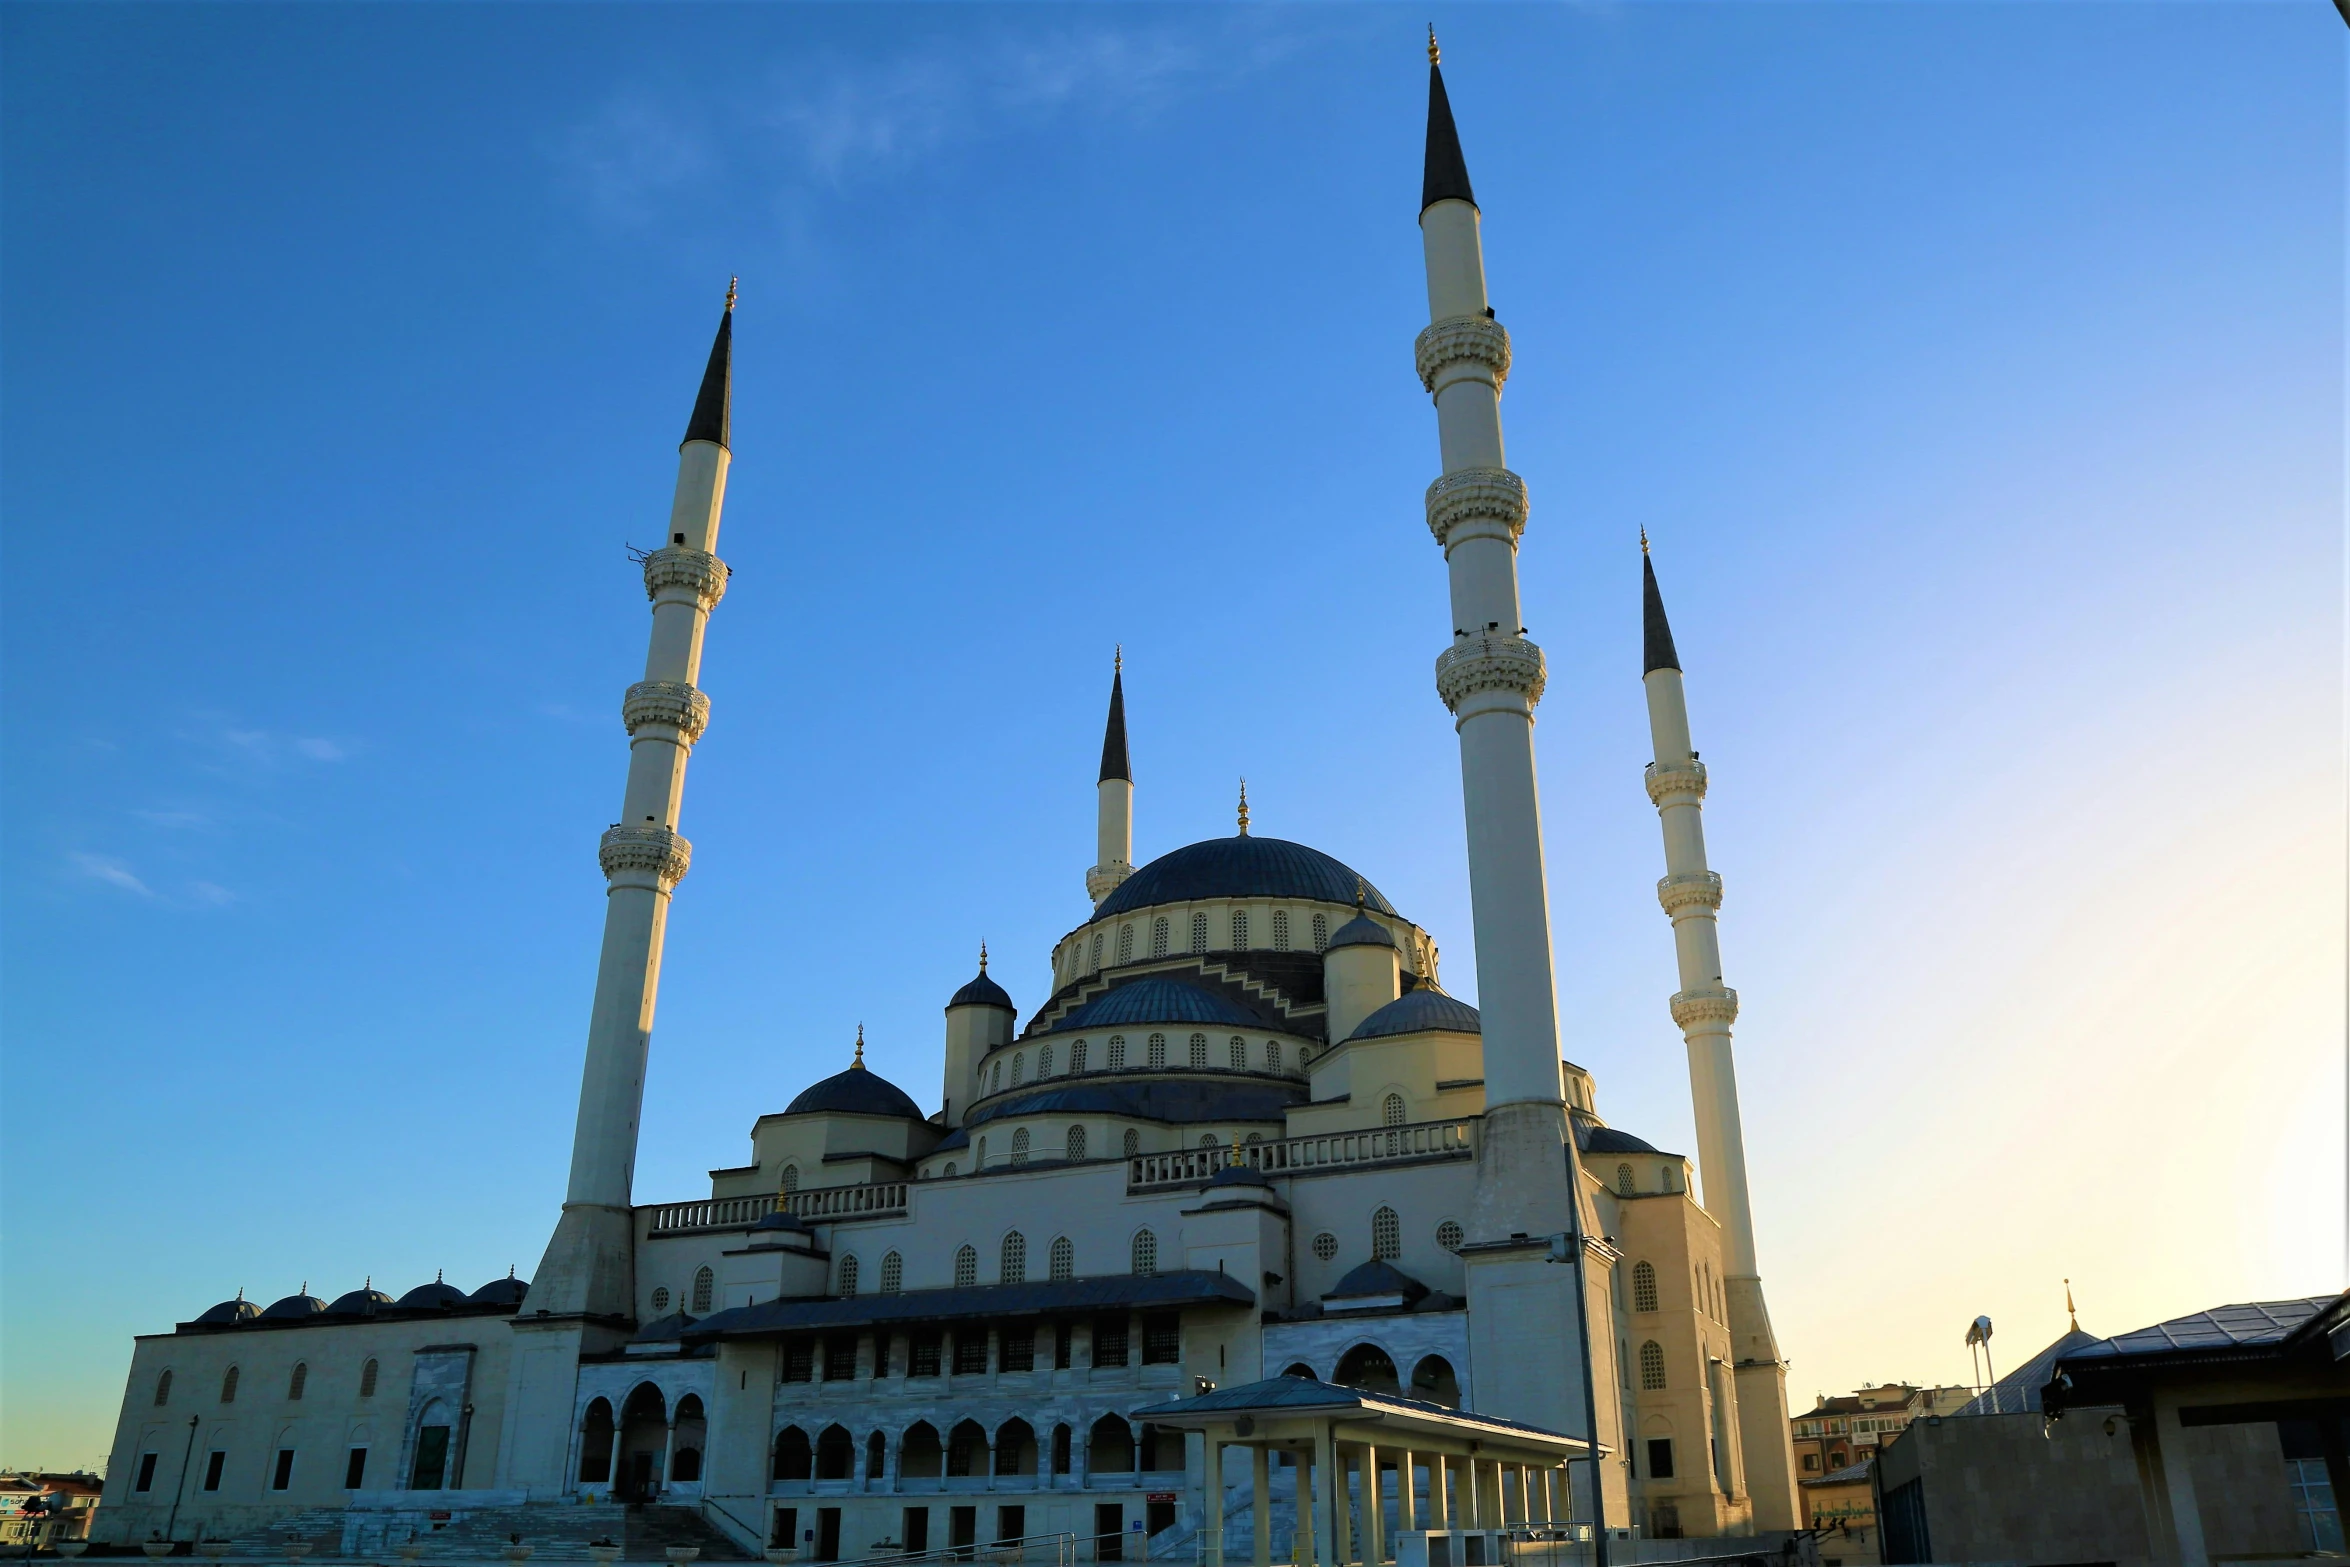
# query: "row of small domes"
(367, 1300)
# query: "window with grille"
(1019, 1068)
(1391, 1110)
(1109, 1341)
(1044, 1062)
(1075, 1145)
(1133, 1142)
(966, 1267)
(1625, 1185)
(996, 1078)
(367, 1380)
(1162, 1339)
(922, 1354)
(1325, 1246)
(1209, 1140)
(1077, 1056)
(1199, 1051)
(893, 1273)
(1240, 930)
(300, 1379)
(705, 1283)
(1125, 943)
(1450, 1235)
(848, 1277)
(970, 1351)
(1117, 1052)
(791, 1178)
(1014, 1266)
(1020, 1146)
(979, 1156)
(1158, 1050)
(1321, 932)
(1239, 1054)
(1064, 1260)
(1097, 949)
(1016, 1348)
(1280, 930)
(1146, 1253)
(1255, 1138)
(1386, 1235)
(1272, 1055)
(228, 1386)
(660, 1302)
(1643, 1286)
(163, 1388)
(1199, 933)
(1158, 938)
(1652, 1366)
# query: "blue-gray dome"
(1377, 1278)
(238, 1310)
(1157, 1000)
(982, 992)
(294, 1307)
(1361, 931)
(1606, 1139)
(1241, 868)
(437, 1294)
(507, 1291)
(359, 1303)
(1425, 1008)
(857, 1091)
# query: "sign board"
(1162, 1496)
(438, 1517)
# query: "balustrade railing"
(1422, 1140)
(825, 1204)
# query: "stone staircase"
(555, 1532)
(320, 1528)
(652, 1530)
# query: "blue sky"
(1976, 368)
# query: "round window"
(1325, 1245)
(1448, 1236)
(660, 1301)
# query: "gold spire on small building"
(730, 287)
(2068, 1306)
(858, 1065)
(1435, 56)
(1244, 807)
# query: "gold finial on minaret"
(1244, 807)
(730, 287)
(1435, 56)
(1118, 659)
(858, 1065)
(2068, 1306)
(1644, 538)
(983, 954)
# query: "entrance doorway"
(962, 1530)
(1109, 1532)
(915, 1531)
(828, 1534)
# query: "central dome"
(1241, 867)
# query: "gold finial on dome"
(1359, 894)
(2068, 1306)
(1244, 807)
(730, 288)
(983, 954)
(858, 1065)
(1435, 56)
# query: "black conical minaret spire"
(1656, 633)
(1114, 763)
(1445, 175)
(714, 404)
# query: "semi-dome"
(1158, 1000)
(438, 1294)
(238, 1310)
(1425, 1008)
(293, 1308)
(359, 1303)
(1361, 931)
(507, 1291)
(857, 1091)
(1241, 867)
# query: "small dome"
(1424, 1009)
(238, 1310)
(780, 1220)
(294, 1307)
(661, 1329)
(982, 991)
(1157, 1000)
(507, 1291)
(359, 1303)
(857, 1091)
(1241, 867)
(434, 1295)
(1378, 1278)
(1240, 1175)
(1361, 931)
(1606, 1139)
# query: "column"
(1260, 1506)
(1406, 1508)
(1374, 1510)
(1305, 1539)
(612, 1470)
(1342, 1532)
(1212, 1456)
(1439, 1504)
(668, 1442)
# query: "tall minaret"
(588, 1269)
(1705, 1008)
(1114, 796)
(1521, 1309)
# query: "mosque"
(1249, 1222)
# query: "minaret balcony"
(1693, 1007)
(1462, 347)
(672, 703)
(645, 856)
(1686, 780)
(1701, 890)
(693, 576)
(1477, 503)
(1496, 664)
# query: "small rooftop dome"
(1240, 1175)
(507, 1291)
(1361, 931)
(1157, 1000)
(661, 1329)
(780, 1220)
(1424, 1009)
(436, 1294)
(1377, 1280)
(294, 1307)
(982, 991)
(1606, 1139)
(857, 1091)
(238, 1310)
(364, 1302)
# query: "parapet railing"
(1421, 1140)
(831, 1204)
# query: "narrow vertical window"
(893, 1273)
(1133, 1143)
(1064, 1260)
(791, 1178)
(1240, 930)
(1020, 1146)
(848, 1277)
(1652, 1367)
(367, 1380)
(1077, 1057)
(1097, 950)
(1075, 1147)
(1117, 1052)
(1146, 1253)
(1391, 1110)
(705, 1287)
(1158, 1048)
(1386, 1235)
(1199, 933)
(228, 1386)
(1125, 943)
(1643, 1286)
(996, 1079)
(979, 1159)
(1321, 931)
(1159, 937)
(966, 1267)
(1019, 1067)
(1626, 1186)
(1044, 1062)
(1013, 1268)
(299, 1381)
(1272, 1055)
(1199, 1052)
(1239, 1054)
(163, 1390)
(1280, 930)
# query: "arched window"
(660, 1302)
(979, 1162)
(1386, 1235)
(1325, 1245)
(1449, 1235)
(1199, 933)
(794, 1459)
(848, 1277)
(1280, 930)
(966, 1267)
(1020, 1146)
(1013, 1269)
(950, 1167)
(1097, 949)
(1652, 1366)
(1133, 1142)
(1625, 1185)
(367, 1380)
(163, 1388)
(1076, 1145)
(1117, 1052)
(1255, 1138)
(1199, 1052)
(876, 1456)
(228, 1386)
(1064, 1260)
(1019, 1067)
(1159, 938)
(1391, 1111)
(1240, 930)
(1643, 1286)
(1239, 1054)
(1158, 1050)
(1077, 1056)
(1146, 1253)
(1044, 1062)
(705, 1285)
(1272, 1055)
(893, 1273)
(791, 1178)
(1321, 932)
(1125, 943)
(996, 1078)
(1208, 1140)
(299, 1380)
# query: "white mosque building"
(1246, 1222)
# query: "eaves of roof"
(1131, 1291)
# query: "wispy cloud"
(113, 872)
(635, 149)
(210, 894)
(174, 820)
(243, 749)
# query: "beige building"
(1848, 1429)
(38, 1510)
